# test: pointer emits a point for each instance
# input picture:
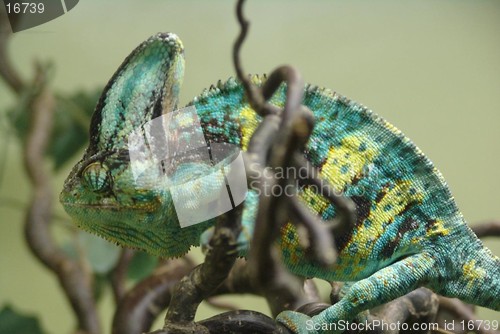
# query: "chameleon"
(408, 232)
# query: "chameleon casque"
(409, 231)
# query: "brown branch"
(238, 281)
(268, 271)
(250, 322)
(75, 281)
(487, 229)
(140, 306)
(255, 98)
(278, 138)
(205, 278)
(7, 71)
(265, 143)
(336, 292)
(119, 274)
(417, 307)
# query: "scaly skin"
(409, 232)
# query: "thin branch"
(76, 283)
(255, 98)
(269, 273)
(266, 143)
(7, 71)
(238, 281)
(205, 278)
(140, 306)
(74, 279)
(119, 274)
(278, 137)
(419, 306)
(487, 229)
(243, 322)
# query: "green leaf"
(13, 322)
(142, 265)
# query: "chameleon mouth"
(146, 207)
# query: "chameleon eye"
(96, 177)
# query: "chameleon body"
(409, 231)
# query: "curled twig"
(255, 98)
(269, 273)
(281, 135)
(273, 135)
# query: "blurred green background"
(432, 68)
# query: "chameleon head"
(101, 193)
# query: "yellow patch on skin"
(342, 165)
(315, 201)
(348, 155)
(472, 273)
(249, 123)
(391, 205)
(291, 245)
(347, 158)
(438, 229)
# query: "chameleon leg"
(385, 285)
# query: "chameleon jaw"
(134, 228)
(149, 207)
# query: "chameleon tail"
(477, 277)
